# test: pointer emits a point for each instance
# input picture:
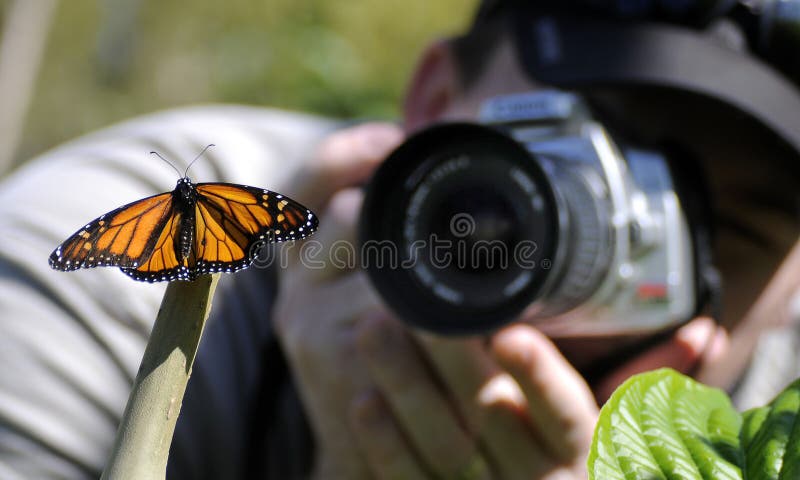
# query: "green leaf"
(723, 429)
(770, 437)
(664, 425)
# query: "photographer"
(417, 404)
(365, 396)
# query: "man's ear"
(433, 86)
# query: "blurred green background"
(106, 60)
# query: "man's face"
(502, 75)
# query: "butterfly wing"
(163, 263)
(233, 221)
(124, 237)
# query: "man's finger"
(380, 441)
(507, 434)
(681, 352)
(345, 159)
(465, 367)
(334, 250)
(560, 404)
(404, 380)
(334, 305)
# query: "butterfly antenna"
(167, 161)
(198, 156)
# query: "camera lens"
(459, 229)
(486, 217)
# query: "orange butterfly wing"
(124, 237)
(164, 263)
(234, 221)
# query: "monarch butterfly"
(193, 230)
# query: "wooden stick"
(141, 447)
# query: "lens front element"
(473, 222)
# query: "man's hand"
(515, 409)
(318, 305)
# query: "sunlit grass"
(112, 59)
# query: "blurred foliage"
(108, 60)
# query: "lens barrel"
(459, 229)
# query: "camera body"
(626, 244)
(534, 214)
(538, 213)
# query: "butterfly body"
(185, 198)
(193, 230)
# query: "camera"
(536, 213)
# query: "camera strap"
(581, 53)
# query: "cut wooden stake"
(142, 445)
